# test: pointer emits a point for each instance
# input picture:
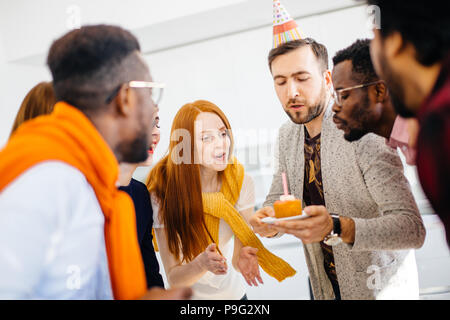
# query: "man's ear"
(394, 45)
(328, 79)
(123, 101)
(381, 92)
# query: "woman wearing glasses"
(201, 198)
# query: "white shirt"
(52, 237)
(231, 285)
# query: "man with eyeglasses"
(66, 231)
(362, 103)
(363, 220)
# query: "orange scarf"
(67, 135)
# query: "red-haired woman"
(39, 101)
(201, 198)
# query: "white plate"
(271, 220)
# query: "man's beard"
(313, 111)
(135, 151)
(354, 135)
(360, 116)
(395, 89)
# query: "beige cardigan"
(363, 180)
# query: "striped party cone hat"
(285, 29)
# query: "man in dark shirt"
(313, 195)
(411, 52)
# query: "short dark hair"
(86, 63)
(319, 50)
(359, 54)
(424, 24)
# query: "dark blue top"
(144, 221)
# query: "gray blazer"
(363, 180)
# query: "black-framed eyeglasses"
(156, 90)
(337, 93)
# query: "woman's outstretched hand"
(248, 266)
(213, 261)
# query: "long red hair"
(178, 189)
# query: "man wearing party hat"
(363, 220)
(285, 28)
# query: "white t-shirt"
(231, 285)
(52, 237)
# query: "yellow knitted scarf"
(220, 205)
